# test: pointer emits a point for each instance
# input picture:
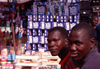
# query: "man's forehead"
(55, 31)
(79, 32)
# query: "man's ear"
(93, 41)
(66, 41)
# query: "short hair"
(62, 30)
(95, 16)
(85, 26)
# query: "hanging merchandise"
(8, 22)
(73, 9)
(2, 21)
(19, 34)
(41, 9)
(0, 10)
(13, 16)
(18, 18)
(22, 10)
(73, 13)
(25, 22)
(13, 11)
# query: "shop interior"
(24, 26)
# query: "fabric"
(97, 35)
(67, 62)
(97, 32)
(92, 60)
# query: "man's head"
(94, 20)
(81, 40)
(57, 39)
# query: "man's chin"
(53, 54)
(76, 59)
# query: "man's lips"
(74, 54)
(53, 50)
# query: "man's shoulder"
(93, 62)
(98, 26)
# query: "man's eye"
(48, 41)
(55, 40)
(78, 43)
(70, 42)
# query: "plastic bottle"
(22, 48)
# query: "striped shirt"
(67, 62)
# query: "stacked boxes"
(39, 22)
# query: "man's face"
(95, 21)
(79, 44)
(55, 42)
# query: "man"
(57, 44)
(81, 43)
(94, 21)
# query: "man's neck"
(64, 51)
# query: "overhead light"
(84, 12)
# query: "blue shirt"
(97, 34)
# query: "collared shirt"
(67, 62)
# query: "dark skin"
(56, 42)
(94, 21)
(80, 44)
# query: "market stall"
(25, 31)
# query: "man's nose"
(51, 43)
(73, 47)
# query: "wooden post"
(12, 26)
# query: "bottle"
(22, 48)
